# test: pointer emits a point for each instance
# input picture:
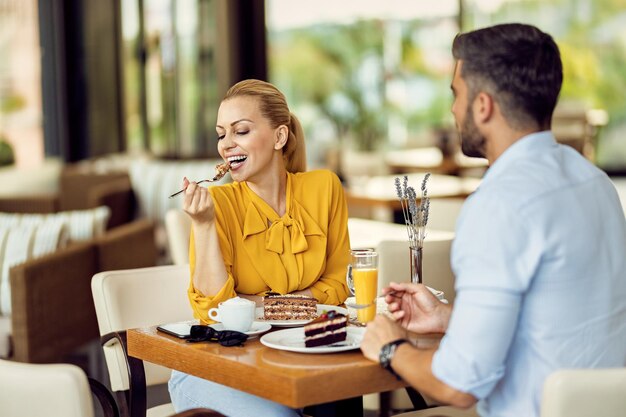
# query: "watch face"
(386, 353)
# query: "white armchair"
(178, 229)
(134, 298)
(585, 392)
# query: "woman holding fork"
(276, 228)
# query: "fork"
(215, 178)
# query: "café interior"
(106, 105)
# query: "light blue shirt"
(540, 264)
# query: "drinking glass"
(363, 282)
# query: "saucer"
(256, 329)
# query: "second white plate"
(293, 341)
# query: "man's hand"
(416, 308)
(380, 331)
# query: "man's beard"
(472, 141)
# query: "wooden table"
(381, 190)
(293, 379)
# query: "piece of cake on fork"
(289, 307)
(329, 328)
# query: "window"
(363, 74)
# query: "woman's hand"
(198, 203)
(416, 308)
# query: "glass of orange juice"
(364, 283)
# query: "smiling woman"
(276, 228)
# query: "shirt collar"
(539, 142)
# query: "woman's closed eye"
(238, 133)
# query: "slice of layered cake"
(327, 329)
(289, 307)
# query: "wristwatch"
(386, 354)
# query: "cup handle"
(349, 279)
(214, 314)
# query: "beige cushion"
(57, 390)
(5, 336)
(23, 242)
(154, 181)
(29, 236)
(178, 228)
(443, 213)
(585, 392)
(436, 269)
(80, 224)
(17, 249)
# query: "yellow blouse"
(308, 247)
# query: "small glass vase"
(415, 258)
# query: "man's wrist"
(386, 354)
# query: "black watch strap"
(386, 355)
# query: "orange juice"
(365, 288)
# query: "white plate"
(294, 323)
(256, 329)
(293, 341)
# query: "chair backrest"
(443, 213)
(135, 298)
(178, 229)
(585, 392)
(436, 270)
(29, 390)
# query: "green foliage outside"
(591, 35)
(337, 72)
(6, 153)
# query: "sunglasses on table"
(203, 333)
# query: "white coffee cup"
(235, 314)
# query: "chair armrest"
(104, 397)
(52, 306)
(118, 196)
(136, 401)
(128, 246)
(136, 395)
(43, 204)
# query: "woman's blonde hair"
(273, 106)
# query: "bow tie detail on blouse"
(285, 228)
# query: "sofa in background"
(52, 310)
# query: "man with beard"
(539, 248)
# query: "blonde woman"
(275, 228)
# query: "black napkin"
(203, 333)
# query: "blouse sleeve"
(331, 288)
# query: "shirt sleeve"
(494, 258)
(332, 288)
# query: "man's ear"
(483, 107)
(282, 135)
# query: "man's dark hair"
(519, 65)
